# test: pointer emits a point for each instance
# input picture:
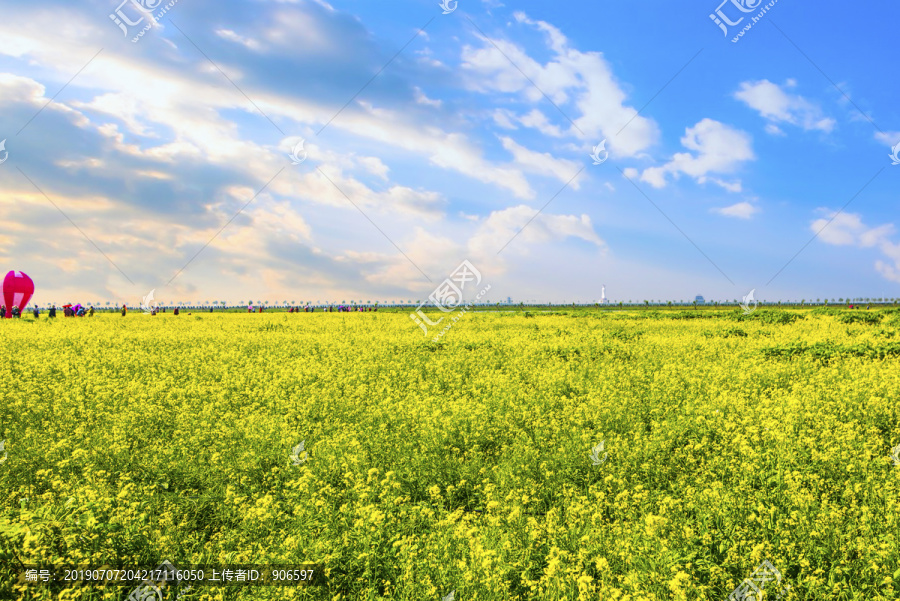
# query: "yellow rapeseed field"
(588, 455)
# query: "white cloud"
(426, 57)
(325, 4)
(582, 84)
(504, 119)
(451, 151)
(841, 229)
(741, 210)
(557, 40)
(163, 96)
(301, 31)
(170, 98)
(537, 120)
(534, 119)
(543, 163)
(777, 106)
(170, 127)
(892, 139)
(506, 226)
(454, 153)
(374, 166)
(330, 189)
(888, 137)
(231, 36)
(163, 116)
(429, 252)
(718, 148)
(848, 229)
(421, 98)
(20, 89)
(734, 186)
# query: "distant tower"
(603, 300)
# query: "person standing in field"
(35, 312)
(52, 312)
(124, 309)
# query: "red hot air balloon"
(17, 291)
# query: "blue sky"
(165, 163)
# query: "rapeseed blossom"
(465, 465)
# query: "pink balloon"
(17, 290)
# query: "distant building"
(603, 299)
(700, 299)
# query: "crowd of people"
(15, 311)
(68, 311)
(340, 308)
(80, 311)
